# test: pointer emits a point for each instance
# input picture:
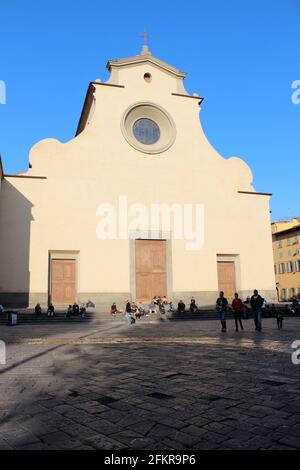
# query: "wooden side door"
(63, 281)
(226, 279)
(151, 269)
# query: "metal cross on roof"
(145, 49)
(146, 37)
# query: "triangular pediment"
(145, 57)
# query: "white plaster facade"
(52, 207)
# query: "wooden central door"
(63, 281)
(151, 269)
(226, 279)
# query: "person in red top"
(237, 306)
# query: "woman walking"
(237, 306)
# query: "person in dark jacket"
(75, 309)
(128, 307)
(238, 307)
(273, 311)
(221, 306)
(82, 310)
(193, 305)
(51, 311)
(256, 304)
(279, 318)
(69, 311)
(37, 310)
(128, 313)
(295, 303)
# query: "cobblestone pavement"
(160, 385)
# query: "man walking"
(221, 306)
(237, 306)
(256, 304)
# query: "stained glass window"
(146, 131)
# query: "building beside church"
(286, 248)
(84, 221)
(1, 172)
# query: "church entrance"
(151, 269)
(63, 281)
(226, 279)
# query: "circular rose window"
(148, 128)
(146, 131)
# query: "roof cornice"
(144, 58)
(1, 169)
(286, 230)
(255, 193)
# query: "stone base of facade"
(270, 295)
(208, 298)
(14, 299)
(104, 300)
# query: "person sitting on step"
(193, 305)
(113, 309)
(75, 309)
(69, 311)
(51, 311)
(37, 310)
(82, 310)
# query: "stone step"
(28, 316)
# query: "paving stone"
(128, 420)
(193, 430)
(143, 426)
(294, 430)
(169, 444)
(84, 447)
(142, 443)
(78, 431)
(207, 445)
(159, 431)
(271, 422)
(198, 420)
(232, 444)
(34, 409)
(19, 438)
(127, 437)
(63, 409)
(219, 427)
(113, 415)
(4, 445)
(241, 435)
(60, 440)
(169, 421)
(188, 440)
(104, 426)
(34, 446)
(291, 441)
(147, 406)
(259, 442)
(211, 436)
(102, 442)
(120, 395)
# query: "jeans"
(238, 318)
(222, 319)
(257, 319)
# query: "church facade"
(137, 204)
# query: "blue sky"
(241, 56)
